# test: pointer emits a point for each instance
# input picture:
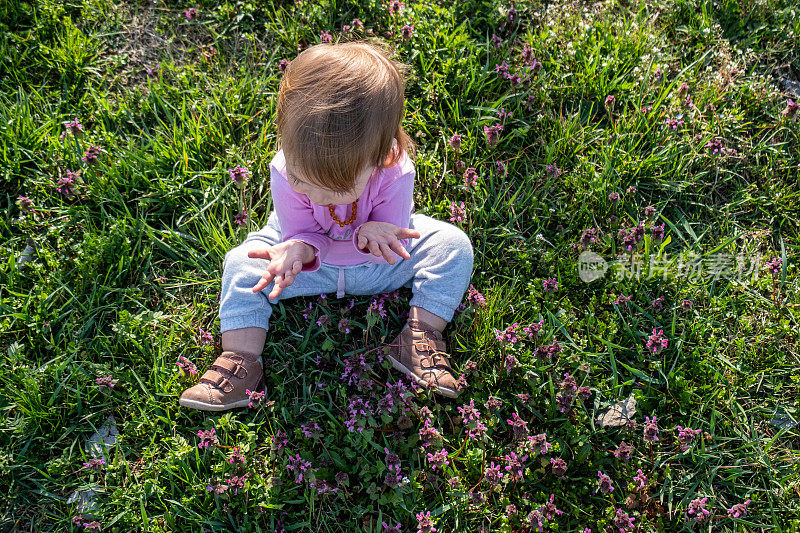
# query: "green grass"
(127, 270)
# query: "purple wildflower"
(458, 213)
(395, 7)
(686, 436)
(282, 64)
(240, 218)
(424, 523)
(519, 426)
(438, 459)
(280, 439)
(236, 456)
(298, 466)
(186, 367)
(311, 430)
(511, 16)
(584, 392)
(623, 521)
(190, 13)
(533, 328)
(91, 155)
(514, 466)
(558, 466)
(492, 132)
(470, 177)
(254, 397)
(74, 127)
(791, 109)
(428, 433)
(94, 464)
(66, 185)
(325, 37)
(387, 528)
(205, 337)
(549, 510)
(539, 443)
(550, 284)
(739, 510)
(604, 483)
(565, 400)
(614, 197)
(552, 171)
(207, 438)
(656, 342)
(623, 451)
(493, 404)
(406, 32)
(715, 146)
(610, 100)
(650, 429)
(775, 266)
(697, 510)
(25, 204)
(511, 362)
(640, 479)
(239, 174)
(588, 237)
(455, 141)
(493, 473)
(508, 335)
(658, 231)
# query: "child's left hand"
(384, 237)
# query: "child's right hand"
(286, 260)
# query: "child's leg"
(244, 321)
(438, 272)
(244, 315)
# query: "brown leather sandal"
(420, 352)
(224, 385)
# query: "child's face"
(321, 196)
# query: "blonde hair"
(339, 109)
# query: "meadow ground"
(655, 140)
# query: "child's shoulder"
(403, 167)
(278, 161)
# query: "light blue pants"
(438, 274)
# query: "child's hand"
(286, 261)
(383, 237)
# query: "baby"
(342, 187)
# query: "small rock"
(104, 438)
(619, 414)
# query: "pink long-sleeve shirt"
(388, 197)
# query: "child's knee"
(457, 243)
(237, 257)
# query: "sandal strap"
(214, 377)
(233, 367)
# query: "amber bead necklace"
(349, 220)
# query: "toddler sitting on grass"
(342, 188)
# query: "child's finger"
(397, 246)
(288, 279)
(374, 249)
(362, 242)
(262, 253)
(407, 233)
(297, 267)
(276, 289)
(387, 253)
(263, 282)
